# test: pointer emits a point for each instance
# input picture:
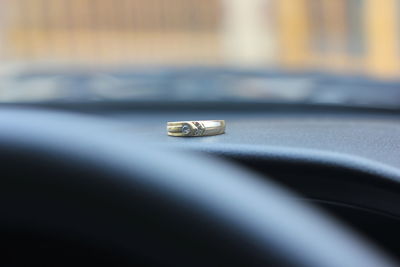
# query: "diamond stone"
(185, 129)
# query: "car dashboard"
(345, 161)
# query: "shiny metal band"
(196, 128)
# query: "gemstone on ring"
(186, 129)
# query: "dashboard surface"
(357, 138)
(347, 163)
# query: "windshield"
(342, 52)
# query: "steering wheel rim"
(155, 206)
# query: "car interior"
(305, 173)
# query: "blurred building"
(358, 36)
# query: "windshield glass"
(342, 52)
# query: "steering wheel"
(74, 191)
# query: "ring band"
(196, 128)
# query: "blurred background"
(272, 38)
(358, 36)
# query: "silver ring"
(196, 128)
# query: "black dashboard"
(347, 162)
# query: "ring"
(196, 128)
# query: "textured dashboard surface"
(373, 138)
